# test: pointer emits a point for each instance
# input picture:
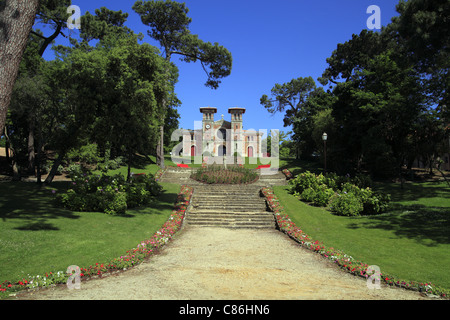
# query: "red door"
(193, 151)
(250, 152)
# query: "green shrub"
(319, 196)
(346, 204)
(108, 194)
(308, 195)
(353, 195)
(322, 195)
(111, 164)
(304, 181)
(331, 181)
(376, 204)
(86, 154)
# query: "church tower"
(208, 130)
(237, 129)
(208, 118)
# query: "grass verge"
(37, 237)
(411, 242)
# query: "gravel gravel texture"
(228, 264)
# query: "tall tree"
(132, 79)
(54, 14)
(169, 25)
(299, 99)
(16, 20)
(289, 97)
(379, 98)
(424, 27)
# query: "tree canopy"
(168, 23)
(386, 94)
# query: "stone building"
(222, 137)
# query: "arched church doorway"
(222, 150)
(250, 152)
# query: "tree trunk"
(31, 153)
(160, 148)
(54, 169)
(16, 20)
(130, 158)
(15, 168)
(7, 147)
(39, 158)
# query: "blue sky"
(270, 41)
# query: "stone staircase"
(177, 175)
(275, 178)
(229, 206)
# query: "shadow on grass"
(31, 204)
(34, 206)
(297, 166)
(141, 162)
(414, 191)
(429, 226)
(165, 201)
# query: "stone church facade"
(222, 137)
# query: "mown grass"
(411, 241)
(38, 237)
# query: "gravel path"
(226, 264)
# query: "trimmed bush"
(346, 204)
(344, 195)
(108, 194)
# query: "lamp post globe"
(324, 138)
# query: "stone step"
(231, 215)
(229, 206)
(212, 205)
(234, 226)
(212, 191)
(231, 223)
(226, 196)
(225, 201)
(222, 209)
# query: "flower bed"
(221, 175)
(344, 261)
(159, 173)
(288, 174)
(131, 258)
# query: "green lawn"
(411, 241)
(37, 237)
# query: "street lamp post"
(324, 138)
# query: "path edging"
(344, 261)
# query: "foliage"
(345, 195)
(87, 154)
(346, 204)
(131, 258)
(108, 194)
(339, 257)
(169, 25)
(386, 99)
(110, 164)
(322, 195)
(221, 175)
(175, 37)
